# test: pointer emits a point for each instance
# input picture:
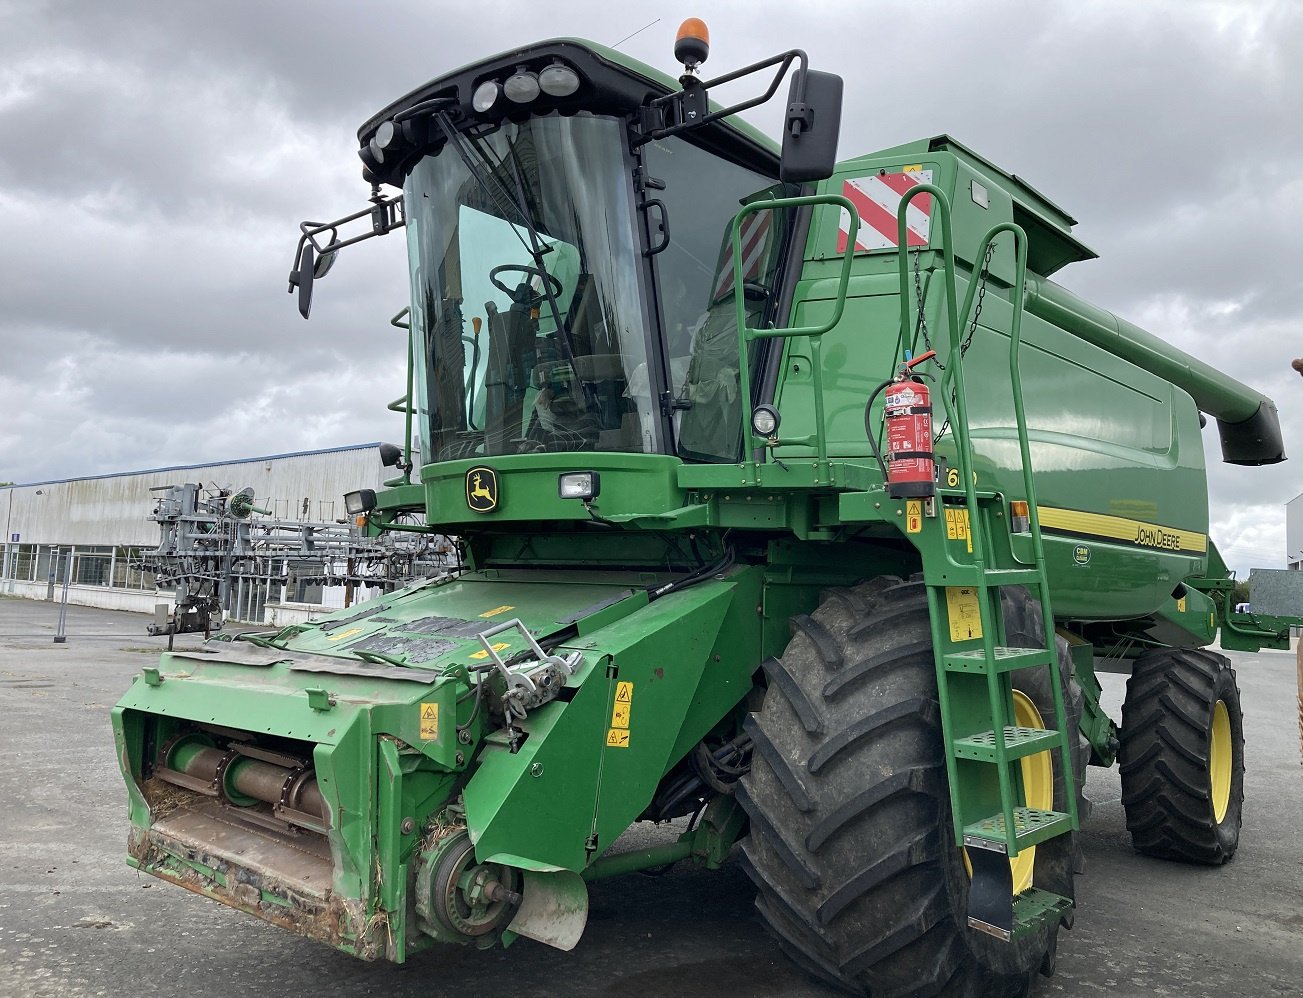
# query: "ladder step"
(1003, 660)
(1030, 827)
(1013, 577)
(1018, 742)
(1031, 909)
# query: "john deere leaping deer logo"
(482, 490)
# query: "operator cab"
(569, 220)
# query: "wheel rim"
(1038, 786)
(1219, 761)
(1038, 790)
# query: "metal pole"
(60, 637)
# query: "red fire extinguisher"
(907, 411)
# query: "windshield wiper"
(474, 161)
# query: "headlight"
(765, 420)
(361, 501)
(579, 485)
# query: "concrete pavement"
(76, 921)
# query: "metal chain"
(967, 341)
(921, 325)
(981, 294)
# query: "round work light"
(765, 420)
(486, 95)
(558, 80)
(521, 86)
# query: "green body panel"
(528, 487)
(557, 803)
(1107, 436)
(1187, 620)
(689, 658)
(1216, 393)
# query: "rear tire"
(851, 844)
(1182, 756)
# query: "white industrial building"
(96, 528)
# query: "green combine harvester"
(795, 500)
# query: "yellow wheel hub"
(1038, 786)
(1038, 789)
(1220, 752)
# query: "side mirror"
(324, 263)
(304, 275)
(390, 455)
(308, 267)
(814, 121)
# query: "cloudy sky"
(157, 157)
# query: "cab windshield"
(530, 335)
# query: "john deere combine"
(794, 499)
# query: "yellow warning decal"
(497, 610)
(957, 526)
(912, 168)
(497, 646)
(345, 634)
(913, 516)
(623, 705)
(429, 722)
(1120, 528)
(620, 715)
(618, 734)
(964, 613)
(1180, 605)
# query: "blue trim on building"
(193, 467)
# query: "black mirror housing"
(306, 271)
(813, 127)
(390, 455)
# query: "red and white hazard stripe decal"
(877, 199)
(755, 240)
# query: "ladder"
(984, 747)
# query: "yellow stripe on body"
(1124, 529)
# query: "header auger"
(793, 497)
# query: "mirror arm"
(783, 61)
(386, 214)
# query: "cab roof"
(612, 83)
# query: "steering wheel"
(521, 269)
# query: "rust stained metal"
(282, 879)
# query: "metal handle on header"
(515, 623)
(746, 334)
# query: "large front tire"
(1182, 756)
(851, 843)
